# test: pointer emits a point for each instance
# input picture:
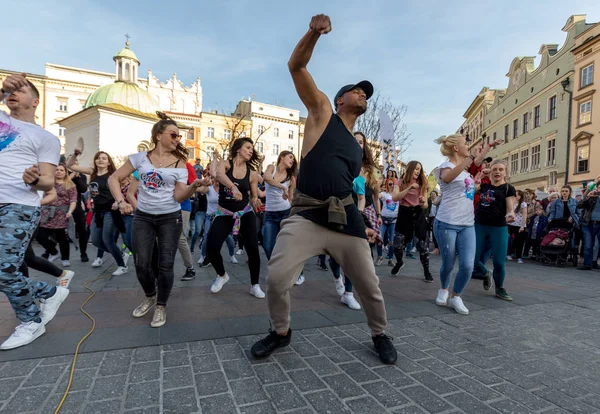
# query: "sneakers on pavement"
(396, 269)
(240, 251)
(66, 263)
(300, 280)
(189, 274)
(219, 282)
(24, 334)
(53, 257)
(49, 306)
(257, 292)
(487, 280)
(442, 298)
(159, 318)
(125, 258)
(84, 258)
(428, 277)
(385, 348)
(121, 270)
(65, 279)
(390, 262)
(509, 258)
(234, 260)
(270, 343)
(201, 259)
(205, 262)
(520, 261)
(144, 307)
(348, 299)
(501, 293)
(98, 262)
(339, 285)
(458, 305)
(379, 261)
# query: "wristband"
(119, 202)
(34, 182)
(472, 157)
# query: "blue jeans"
(104, 238)
(450, 239)
(199, 219)
(229, 240)
(271, 228)
(591, 233)
(387, 234)
(335, 269)
(127, 236)
(498, 237)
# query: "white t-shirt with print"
(390, 207)
(456, 207)
(22, 145)
(519, 216)
(156, 191)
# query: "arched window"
(126, 74)
(120, 72)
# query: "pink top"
(411, 199)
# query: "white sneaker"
(442, 298)
(339, 284)
(49, 307)
(458, 305)
(348, 299)
(300, 280)
(65, 279)
(520, 261)
(24, 334)
(97, 262)
(53, 257)
(125, 258)
(201, 259)
(240, 251)
(121, 270)
(66, 263)
(509, 258)
(219, 282)
(234, 260)
(257, 292)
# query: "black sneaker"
(205, 263)
(396, 269)
(501, 293)
(487, 280)
(84, 258)
(428, 278)
(270, 343)
(189, 274)
(584, 268)
(595, 266)
(385, 348)
(45, 255)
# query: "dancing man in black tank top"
(324, 218)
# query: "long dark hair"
(291, 172)
(111, 165)
(408, 175)
(254, 161)
(521, 197)
(180, 152)
(367, 162)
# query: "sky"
(432, 56)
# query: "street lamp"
(565, 83)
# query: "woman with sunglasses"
(389, 214)
(162, 187)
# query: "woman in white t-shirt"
(517, 230)
(162, 187)
(454, 223)
(389, 214)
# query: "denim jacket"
(587, 206)
(557, 210)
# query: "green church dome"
(126, 53)
(123, 93)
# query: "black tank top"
(328, 170)
(100, 193)
(226, 199)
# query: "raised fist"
(321, 24)
(15, 82)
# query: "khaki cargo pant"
(300, 239)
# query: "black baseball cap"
(365, 85)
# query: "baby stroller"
(557, 244)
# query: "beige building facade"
(473, 126)
(585, 120)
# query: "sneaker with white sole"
(240, 251)
(520, 261)
(233, 260)
(144, 307)
(24, 334)
(98, 262)
(219, 282)
(348, 299)
(257, 292)
(339, 285)
(201, 259)
(442, 298)
(300, 280)
(159, 318)
(121, 270)
(125, 258)
(49, 307)
(53, 257)
(66, 263)
(509, 258)
(458, 305)
(65, 279)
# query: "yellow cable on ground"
(62, 401)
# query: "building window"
(526, 123)
(493, 137)
(191, 153)
(553, 178)
(259, 147)
(275, 149)
(552, 108)
(535, 157)
(291, 134)
(587, 75)
(506, 129)
(210, 132)
(62, 105)
(210, 149)
(585, 112)
(82, 103)
(525, 160)
(276, 132)
(583, 158)
(536, 116)
(227, 134)
(261, 129)
(243, 134)
(515, 128)
(61, 131)
(551, 152)
(514, 163)
(291, 149)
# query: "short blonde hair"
(447, 143)
(498, 161)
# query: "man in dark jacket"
(590, 224)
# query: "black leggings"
(220, 229)
(81, 228)
(518, 240)
(411, 222)
(60, 235)
(38, 263)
